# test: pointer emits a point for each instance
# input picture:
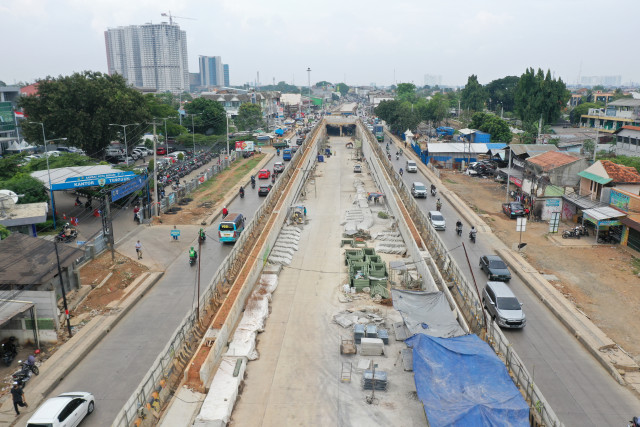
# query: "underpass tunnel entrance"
(341, 130)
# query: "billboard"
(94, 180)
(244, 146)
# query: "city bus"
(231, 227)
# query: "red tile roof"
(621, 174)
(29, 90)
(552, 159)
(631, 127)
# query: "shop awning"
(632, 222)
(594, 177)
(597, 215)
(583, 202)
(12, 308)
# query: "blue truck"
(286, 154)
(378, 131)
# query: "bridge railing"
(466, 294)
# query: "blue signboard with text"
(94, 180)
(132, 185)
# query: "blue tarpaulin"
(462, 382)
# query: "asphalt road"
(577, 387)
(115, 367)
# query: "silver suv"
(418, 189)
(437, 220)
(503, 306)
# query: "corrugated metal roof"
(11, 309)
(625, 102)
(583, 202)
(531, 149)
(603, 213)
(27, 260)
(495, 145)
(553, 191)
(593, 177)
(457, 148)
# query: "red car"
(161, 151)
(264, 174)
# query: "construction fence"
(155, 390)
(466, 294)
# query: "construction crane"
(172, 16)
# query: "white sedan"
(67, 409)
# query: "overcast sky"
(356, 41)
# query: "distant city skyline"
(354, 42)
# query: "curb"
(576, 323)
(65, 359)
(211, 218)
(453, 199)
(579, 326)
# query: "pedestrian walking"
(305, 211)
(139, 249)
(175, 234)
(18, 397)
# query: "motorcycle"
(253, 184)
(582, 230)
(192, 260)
(634, 422)
(433, 191)
(23, 375)
(202, 238)
(472, 236)
(9, 351)
(62, 237)
(397, 157)
(241, 193)
(606, 238)
(459, 230)
(571, 234)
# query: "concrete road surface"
(578, 388)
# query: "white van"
(114, 152)
(411, 166)
(287, 141)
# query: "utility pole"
(508, 177)
(309, 82)
(539, 129)
(64, 294)
(108, 226)
(595, 143)
(199, 258)
(126, 147)
(155, 173)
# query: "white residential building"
(150, 56)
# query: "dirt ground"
(603, 281)
(203, 202)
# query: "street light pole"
(227, 115)
(46, 153)
(309, 83)
(126, 147)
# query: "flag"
(19, 114)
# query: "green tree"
(492, 124)
(10, 165)
(438, 108)
(159, 109)
(406, 92)
(342, 88)
(23, 183)
(538, 95)
(282, 87)
(80, 107)
(323, 83)
(249, 117)
(473, 96)
(398, 115)
(501, 93)
(211, 116)
(580, 110)
(4, 231)
(62, 161)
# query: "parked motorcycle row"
(576, 232)
(172, 174)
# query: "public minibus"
(230, 227)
